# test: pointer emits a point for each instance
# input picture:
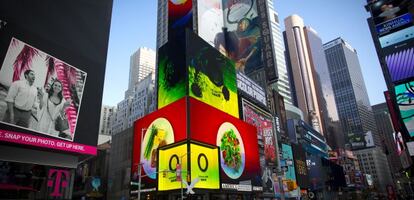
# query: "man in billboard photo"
(21, 99)
(52, 106)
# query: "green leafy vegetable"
(230, 147)
(148, 148)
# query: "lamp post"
(181, 174)
(140, 164)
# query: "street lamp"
(140, 164)
(181, 174)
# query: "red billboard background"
(176, 116)
(204, 125)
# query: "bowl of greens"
(232, 157)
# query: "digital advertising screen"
(290, 185)
(51, 82)
(180, 16)
(239, 156)
(263, 121)
(171, 73)
(172, 167)
(205, 167)
(301, 167)
(211, 76)
(404, 94)
(386, 11)
(160, 128)
(243, 37)
(401, 64)
(210, 22)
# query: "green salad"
(230, 149)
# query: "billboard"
(290, 186)
(205, 166)
(180, 17)
(263, 121)
(171, 73)
(39, 90)
(404, 98)
(301, 168)
(391, 14)
(211, 76)
(171, 161)
(239, 157)
(64, 56)
(401, 64)
(158, 129)
(210, 22)
(243, 40)
(196, 69)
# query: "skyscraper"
(142, 63)
(304, 79)
(325, 93)
(105, 122)
(283, 85)
(354, 109)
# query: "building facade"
(142, 63)
(304, 81)
(374, 162)
(354, 109)
(327, 103)
(105, 123)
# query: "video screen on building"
(289, 179)
(211, 76)
(40, 91)
(392, 15)
(171, 73)
(158, 129)
(301, 167)
(243, 40)
(401, 64)
(180, 16)
(263, 121)
(52, 72)
(210, 22)
(239, 156)
(404, 94)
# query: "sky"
(134, 25)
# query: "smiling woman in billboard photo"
(42, 90)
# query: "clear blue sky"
(134, 25)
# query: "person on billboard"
(22, 98)
(51, 107)
(244, 45)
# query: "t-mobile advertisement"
(52, 73)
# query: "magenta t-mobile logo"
(58, 180)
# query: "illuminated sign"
(404, 96)
(205, 166)
(168, 160)
(394, 23)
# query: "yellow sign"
(204, 167)
(167, 164)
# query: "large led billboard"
(211, 76)
(210, 21)
(196, 69)
(205, 167)
(404, 94)
(161, 128)
(180, 17)
(263, 121)
(172, 167)
(401, 64)
(290, 185)
(202, 172)
(301, 167)
(239, 155)
(51, 74)
(171, 73)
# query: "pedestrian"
(21, 99)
